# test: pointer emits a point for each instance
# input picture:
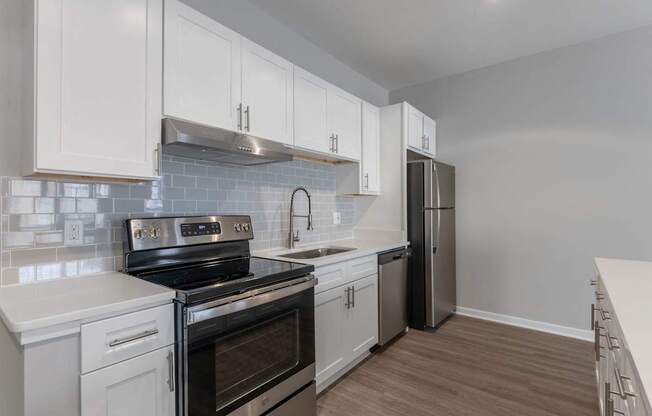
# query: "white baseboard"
(566, 331)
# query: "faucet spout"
(295, 237)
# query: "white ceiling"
(404, 42)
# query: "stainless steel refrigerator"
(431, 231)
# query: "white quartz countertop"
(45, 304)
(629, 286)
(362, 247)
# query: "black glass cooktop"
(200, 282)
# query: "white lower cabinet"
(346, 322)
(141, 386)
(361, 325)
(620, 390)
(330, 313)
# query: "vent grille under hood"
(181, 138)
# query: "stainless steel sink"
(316, 252)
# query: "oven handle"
(247, 300)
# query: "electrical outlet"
(73, 233)
(337, 218)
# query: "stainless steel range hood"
(181, 138)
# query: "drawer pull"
(593, 282)
(612, 342)
(606, 316)
(126, 340)
(610, 409)
(621, 387)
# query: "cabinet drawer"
(363, 267)
(116, 339)
(329, 277)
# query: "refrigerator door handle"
(434, 247)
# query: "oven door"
(246, 354)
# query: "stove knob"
(237, 227)
(245, 228)
(138, 234)
(155, 233)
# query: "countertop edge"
(333, 259)
(88, 313)
(159, 295)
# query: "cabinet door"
(310, 112)
(415, 128)
(370, 149)
(141, 386)
(202, 68)
(362, 319)
(329, 333)
(99, 80)
(266, 93)
(430, 135)
(345, 121)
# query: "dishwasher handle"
(394, 255)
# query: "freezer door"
(442, 280)
(444, 185)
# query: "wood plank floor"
(470, 367)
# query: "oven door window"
(234, 358)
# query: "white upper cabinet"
(345, 123)
(415, 128)
(310, 112)
(267, 93)
(98, 88)
(429, 135)
(202, 68)
(216, 77)
(421, 132)
(370, 169)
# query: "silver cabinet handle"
(158, 159)
(247, 119)
(171, 371)
(240, 116)
(332, 143)
(353, 293)
(606, 316)
(126, 340)
(621, 387)
(610, 342)
(609, 409)
(366, 181)
(348, 298)
(593, 282)
(337, 143)
(593, 316)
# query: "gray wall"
(11, 78)
(554, 167)
(254, 24)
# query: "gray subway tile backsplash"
(34, 212)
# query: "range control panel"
(153, 233)
(205, 228)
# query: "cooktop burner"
(217, 279)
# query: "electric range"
(244, 325)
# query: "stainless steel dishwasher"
(392, 294)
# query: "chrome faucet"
(294, 237)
